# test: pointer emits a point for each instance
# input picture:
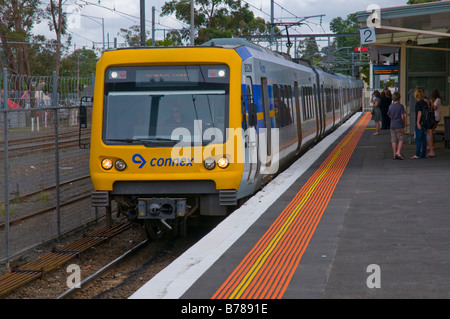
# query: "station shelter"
(412, 42)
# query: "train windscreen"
(163, 105)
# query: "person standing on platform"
(396, 113)
(386, 100)
(436, 106)
(420, 132)
(376, 111)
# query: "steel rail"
(45, 210)
(50, 261)
(28, 195)
(103, 269)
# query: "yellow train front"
(177, 131)
(159, 144)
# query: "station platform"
(346, 220)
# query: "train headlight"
(120, 165)
(222, 162)
(209, 163)
(107, 164)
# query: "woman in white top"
(436, 105)
(436, 99)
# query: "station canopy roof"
(415, 25)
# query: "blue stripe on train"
(257, 99)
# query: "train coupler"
(161, 208)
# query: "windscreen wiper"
(126, 140)
(147, 141)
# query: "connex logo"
(139, 159)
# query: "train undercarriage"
(158, 215)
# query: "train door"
(317, 111)
(267, 122)
(332, 101)
(251, 145)
(297, 113)
(341, 104)
(323, 108)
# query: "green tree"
(344, 46)
(216, 19)
(42, 56)
(81, 62)
(58, 23)
(17, 19)
(310, 50)
(349, 25)
(132, 37)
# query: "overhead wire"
(135, 18)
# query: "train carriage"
(178, 131)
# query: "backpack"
(428, 119)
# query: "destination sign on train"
(159, 75)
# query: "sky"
(88, 17)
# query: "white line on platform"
(173, 281)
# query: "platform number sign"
(367, 35)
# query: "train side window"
(305, 99)
(291, 104)
(243, 109)
(332, 106)
(276, 94)
(328, 102)
(285, 106)
(314, 93)
(322, 96)
(277, 102)
(303, 102)
(308, 103)
(266, 112)
(336, 99)
(297, 107)
(252, 119)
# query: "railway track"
(112, 269)
(29, 196)
(50, 266)
(95, 275)
(22, 275)
(34, 197)
(42, 143)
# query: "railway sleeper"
(67, 252)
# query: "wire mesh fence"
(44, 162)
